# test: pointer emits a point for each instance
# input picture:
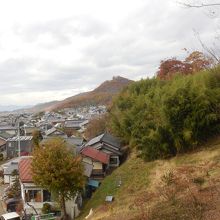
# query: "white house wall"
(37, 205)
(96, 165)
(87, 160)
(6, 179)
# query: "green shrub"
(47, 208)
(164, 118)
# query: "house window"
(46, 196)
(3, 148)
(113, 160)
(33, 196)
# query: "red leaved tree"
(172, 66)
(195, 62)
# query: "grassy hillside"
(184, 187)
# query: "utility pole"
(19, 141)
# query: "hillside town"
(110, 110)
(99, 156)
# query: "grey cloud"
(132, 48)
(152, 34)
(63, 30)
(16, 76)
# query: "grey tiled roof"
(3, 128)
(77, 141)
(52, 130)
(5, 135)
(107, 138)
(21, 138)
(94, 140)
(75, 123)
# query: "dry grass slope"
(184, 187)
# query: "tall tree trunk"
(63, 205)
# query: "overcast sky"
(52, 49)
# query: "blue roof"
(93, 183)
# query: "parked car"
(11, 204)
(10, 216)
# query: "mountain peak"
(113, 86)
(101, 95)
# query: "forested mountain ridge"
(102, 95)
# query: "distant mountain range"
(102, 95)
(42, 106)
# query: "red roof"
(96, 154)
(25, 172)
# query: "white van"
(10, 216)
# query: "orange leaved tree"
(57, 170)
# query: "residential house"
(28, 129)
(35, 196)
(12, 146)
(9, 129)
(98, 159)
(91, 184)
(43, 126)
(57, 121)
(8, 169)
(8, 172)
(54, 132)
(31, 194)
(53, 118)
(75, 143)
(110, 145)
(5, 135)
(75, 125)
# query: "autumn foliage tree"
(37, 137)
(57, 170)
(172, 66)
(195, 62)
(96, 126)
(198, 61)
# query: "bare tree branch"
(199, 5)
(212, 51)
(209, 50)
